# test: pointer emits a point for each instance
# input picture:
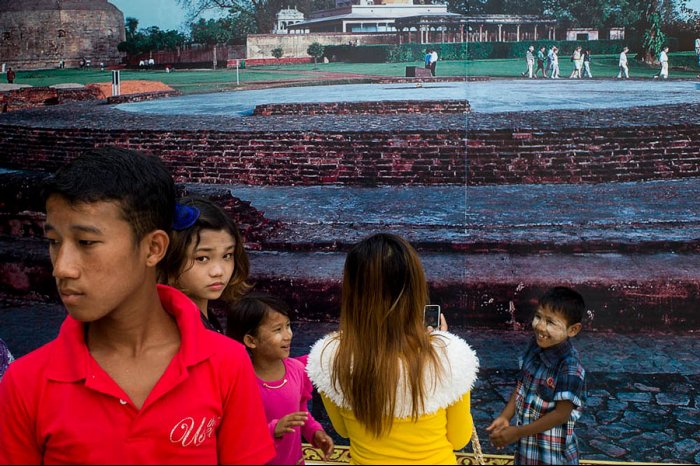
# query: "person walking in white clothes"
(555, 63)
(663, 61)
(577, 60)
(530, 61)
(622, 64)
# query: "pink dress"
(281, 397)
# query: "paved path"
(643, 402)
(91, 115)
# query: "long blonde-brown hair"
(381, 331)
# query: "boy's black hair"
(139, 183)
(245, 316)
(564, 300)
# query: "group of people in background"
(548, 64)
(142, 371)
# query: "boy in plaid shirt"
(548, 397)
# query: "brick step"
(624, 292)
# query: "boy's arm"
(511, 434)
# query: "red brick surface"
(32, 97)
(365, 108)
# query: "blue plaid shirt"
(547, 376)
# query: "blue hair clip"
(185, 216)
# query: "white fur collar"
(460, 367)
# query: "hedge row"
(387, 53)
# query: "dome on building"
(42, 33)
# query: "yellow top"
(444, 423)
(431, 439)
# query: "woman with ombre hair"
(400, 393)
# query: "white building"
(285, 18)
(367, 15)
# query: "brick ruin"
(419, 149)
(38, 34)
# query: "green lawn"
(186, 81)
(197, 81)
(444, 68)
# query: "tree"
(277, 52)
(149, 39)
(131, 25)
(212, 32)
(654, 38)
(264, 12)
(315, 50)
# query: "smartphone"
(431, 316)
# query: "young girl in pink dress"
(261, 322)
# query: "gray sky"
(166, 14)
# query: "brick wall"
(271, 61)
(32, 97)
(375, 157)
(365, 108)
(295, 45)
(40, 38)
(261, 158)
(588, 155)
(141, 97)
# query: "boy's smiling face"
(551, 327)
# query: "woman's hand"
(443, 324)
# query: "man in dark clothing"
(10, 75)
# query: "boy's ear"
(156, 243)
(573, 330)
(249, 341)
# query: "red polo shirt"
(57, 405)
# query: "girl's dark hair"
(211, 217)
(245, 315)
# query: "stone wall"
(295, 45)
(41, 35)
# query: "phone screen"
(431, 316)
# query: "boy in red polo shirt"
(133, 376)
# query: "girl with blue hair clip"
(206, 259)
